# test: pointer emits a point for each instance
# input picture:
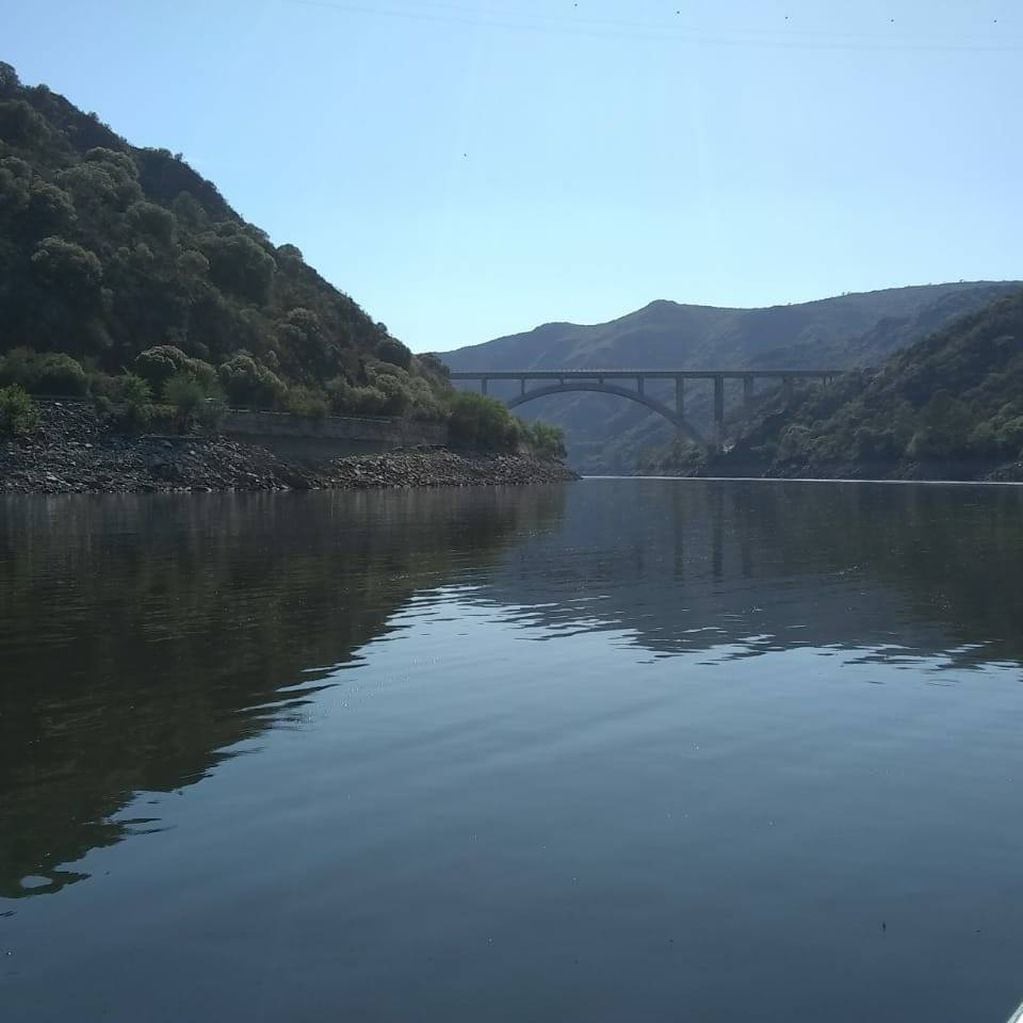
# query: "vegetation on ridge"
(955, 397)
(120, 264)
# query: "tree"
(240, 265)
(153, 221)
(246, 382)
(9, 81)
(393, 351)
(18, 414)
(67, 268)
(20, 125)
(49, 210)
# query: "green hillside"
(126, 275)
(107, 250)
(609, 434)
(949, 405)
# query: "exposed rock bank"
(72, 452)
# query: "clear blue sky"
(471, 168)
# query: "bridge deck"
(663, 374)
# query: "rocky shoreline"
(734, 466)
(937, 471)
(73, 452)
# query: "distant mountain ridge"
(949, 406)
(607, 434)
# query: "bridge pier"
(719, 412)
(747, 389)
(680, 396)
(483, 385)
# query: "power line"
(580, 25)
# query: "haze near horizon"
(467, 170)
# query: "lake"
(615, 750)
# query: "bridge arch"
(679, 422)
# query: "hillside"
(126, 276)
(949, 406)
(107, 250)
(609, 434)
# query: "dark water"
(626, 750)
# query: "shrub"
(346, 399)
(59, 374)
(478, 422)
(247, 382)
(18, 413)
(184, 392)
(135, 390)
(795, 443)
(14, 367)
(545, 440)
(396, 396)
(158, 364)
(45, 373)
(105, 386)
(187, 396)
(305, 401)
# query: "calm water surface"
(622, 750)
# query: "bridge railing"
(652, 374)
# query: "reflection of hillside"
(141, 637)
(690, 565)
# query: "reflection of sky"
(549, 818)
(233, 630)
(757, 568)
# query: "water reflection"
(141, 637)
(587, 753)
(744, 568)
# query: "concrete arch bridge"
(543, 382)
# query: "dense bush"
(306, 401)
(157, 365)
(47, 373)
(475, 421)
(134, 390)
(544, 440)
(185, 394)
(18, 414)
(247, 382)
